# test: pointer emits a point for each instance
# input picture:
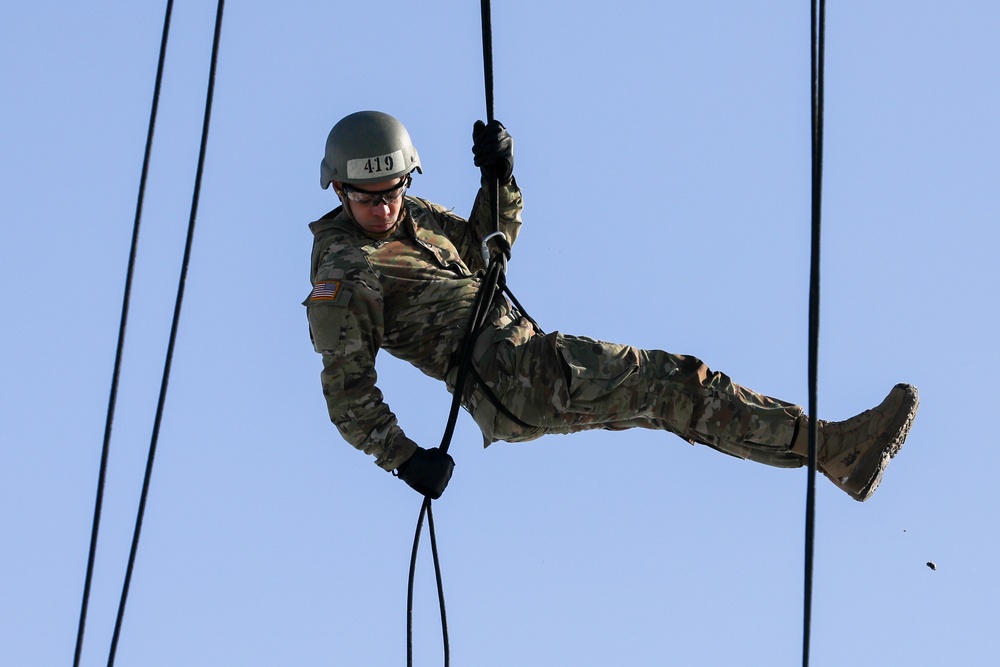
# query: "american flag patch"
(325, 291)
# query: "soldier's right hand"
(427, 472)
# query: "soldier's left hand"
(493, 150)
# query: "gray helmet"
(367, 146)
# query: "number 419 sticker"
(371, 167)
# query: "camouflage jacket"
(410, 294)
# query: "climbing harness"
(170, 347)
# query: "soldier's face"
(377, 218)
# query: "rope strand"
(487, 22)
(409, 587)
(440, 585)
(480, 312)
(173, 335)
(116, 372)
(818, 39)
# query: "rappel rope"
(172, 341)
(817, 48)
(116, 372)
(493, 280)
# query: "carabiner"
(486, 250)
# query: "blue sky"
(663, 151)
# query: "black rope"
(479, 317)
(818, 39)
(437, 577)
(116, 372)
(425, 509)
(480, 312)
(173, 335)
(492, 282)
(487, 22)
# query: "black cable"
(487, 55)
(818, 39)
(173, 334)
(437, 578)
(493, 281)
(116, 372)
(480, 311)
(409, 588)
(479, 317)
(487, 22)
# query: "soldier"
(398, 272)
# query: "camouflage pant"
(557, 383)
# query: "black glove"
(427, 472)
(493, 150)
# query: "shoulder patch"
(325, 290)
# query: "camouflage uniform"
(412, 294)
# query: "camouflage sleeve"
(345, 322)
(511, 205)
(467, 235)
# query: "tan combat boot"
(854, 453)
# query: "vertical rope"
(480, 310)
(116, 372)
(173, 335)
(440, 583)
(409, 588)
(487, 22)
(484, 299)
(818, 38)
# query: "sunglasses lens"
(373, 198)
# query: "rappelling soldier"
(396, 272)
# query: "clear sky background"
(663, 151)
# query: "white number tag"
(369, 167)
